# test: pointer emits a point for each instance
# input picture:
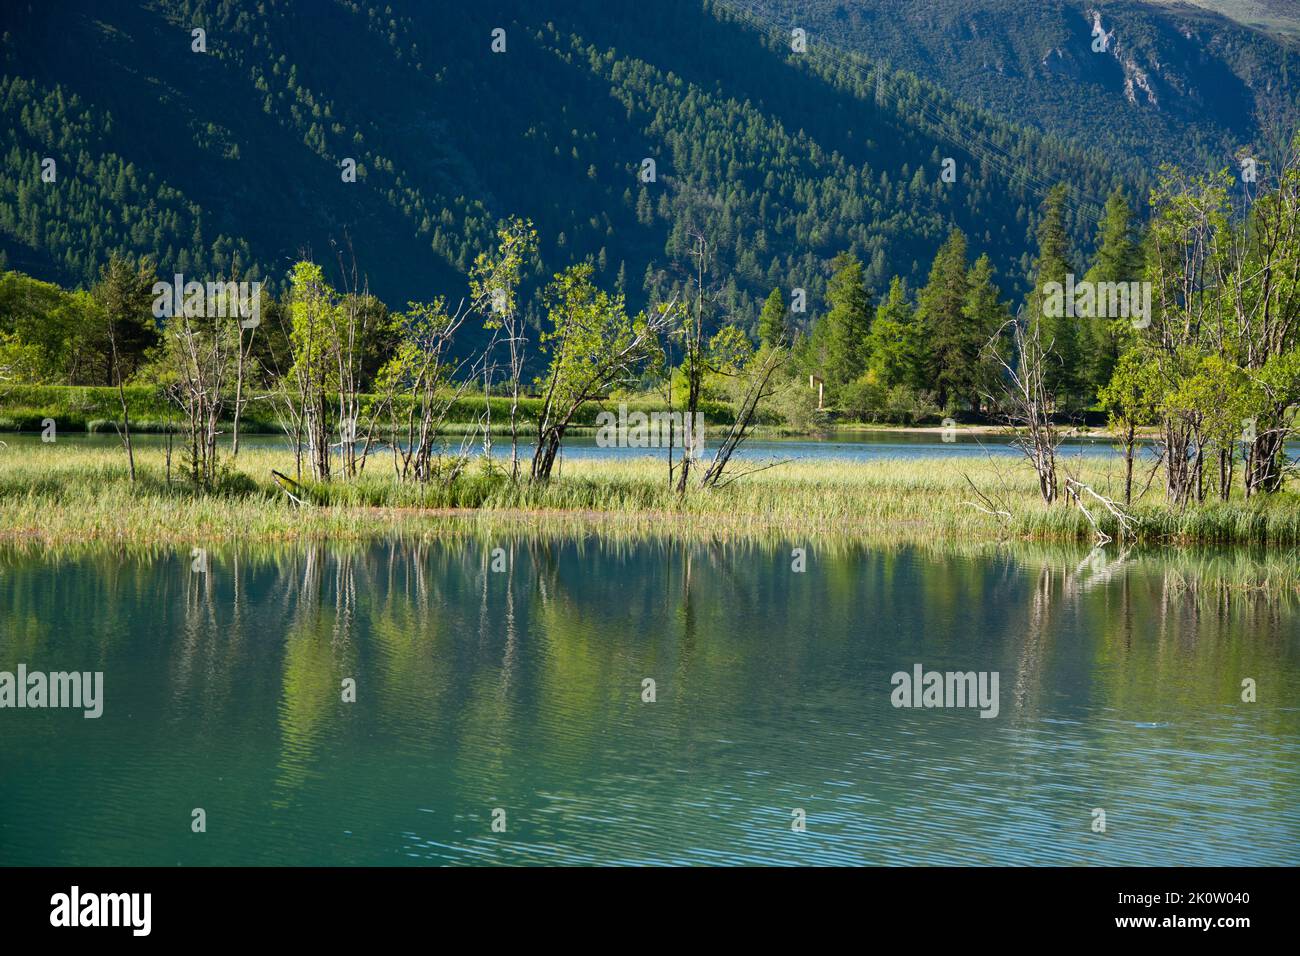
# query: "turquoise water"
(522, 691)
(847, 446)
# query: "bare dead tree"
(357, 320)
(757, 387)
(242, 365)
(693, 360)
(1026, 401)
(201, 352)
(125, 431)
(1081, 493)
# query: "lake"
(840, 445)
(519, 697)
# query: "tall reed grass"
(58, 492)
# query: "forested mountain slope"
(230, 159)
(1171, 82)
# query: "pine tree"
(772, 328)
(846, 326)
(1053, 265)
(985, 313)
(1118, 259)
(894, 343)
(124, 293)
(941, 311)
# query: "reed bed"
(59, 492)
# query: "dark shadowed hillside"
(229, 159)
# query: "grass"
(95, 408)
(58, 492)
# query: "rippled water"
(522, 690)
(845, 445)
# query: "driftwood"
(756, 390)
(1077, 489)
(985, 503)
(285, 483)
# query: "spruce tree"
(941, 311)
(847, 323)
(1118, 259)
(985, 313)
(1052, 264)
(772, 328)
(894, 342)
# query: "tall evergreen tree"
(985, 312)
(1118, 259)
(772, 327)
(942, 314)
(846, 326)
(1053, 264)
(124, 294)
(894, 345)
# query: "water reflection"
(521, 689)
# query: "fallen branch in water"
(1077, 489)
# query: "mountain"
(222, 151)
(1159, 81)
(1271, 16)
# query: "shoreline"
(53, 494)
(1201, 570)
(147, 429)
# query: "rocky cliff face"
(1137, 83)
(1163, 81)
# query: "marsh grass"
(60, 492)
(1213, 580)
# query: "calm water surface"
(847, 446)
(522, 690)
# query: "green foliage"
(1059, 330)
(588, 326)
(941, 311)
(48, 334)
(495, 278)
(984, 313)
(124, 296)
(842, 332)
(313, 321)
(1132, 395)
(896, 343)
(780, 161)
(1118, 259)
(773, 329)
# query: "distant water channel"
(840, 445)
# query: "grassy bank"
(58, 492)
(96, 408)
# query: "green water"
(1120, 689)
